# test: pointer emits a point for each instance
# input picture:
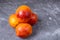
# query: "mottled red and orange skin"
(33, 19)
(23, 30)
(23, 7)
(24, 16)
(24, 13)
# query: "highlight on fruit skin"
(24, 13)
(23, 30)
(24, 17)
(13, 20)
(33, 19)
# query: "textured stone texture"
(47, 27)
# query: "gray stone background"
(47, 27)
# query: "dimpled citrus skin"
(33, 19)
(24, 13)
(13, 20)
(23, 30)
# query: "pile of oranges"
(22, 20)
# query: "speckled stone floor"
(47, 27)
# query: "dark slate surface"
(47, 27)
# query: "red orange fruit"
(24, 13)
(23, 30)
(13, 20)
(33, 19)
